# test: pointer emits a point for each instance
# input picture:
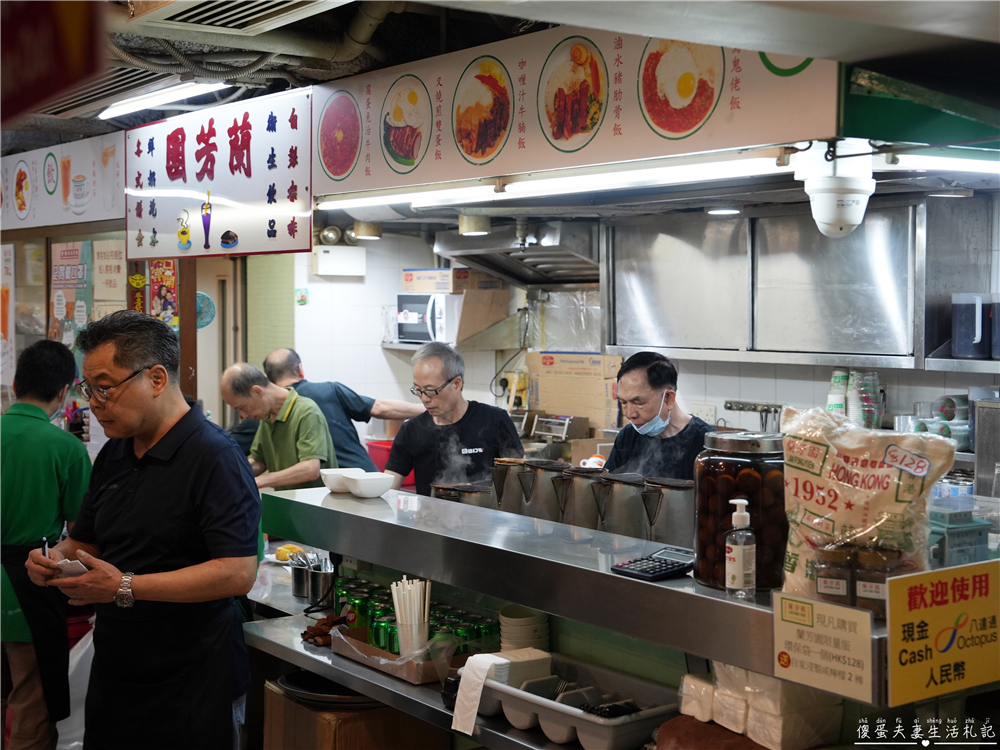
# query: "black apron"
(44, 608)
(164, 683)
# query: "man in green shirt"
(44, 473)
(293, 440)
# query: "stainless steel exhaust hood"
(558, 252)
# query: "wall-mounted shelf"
(400, 346)
(940, 361)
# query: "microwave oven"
(421, 318)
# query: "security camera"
(839, 188)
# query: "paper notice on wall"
(7, 312)
(71, 293)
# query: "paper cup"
(838, 381)
(836, 402)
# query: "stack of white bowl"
(521, 627)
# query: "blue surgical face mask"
(657, 424)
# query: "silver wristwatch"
(124, 596)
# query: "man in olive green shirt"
(293, 440)
(44, 473)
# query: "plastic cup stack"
(521, 627)
(870, 400)
(853, 403)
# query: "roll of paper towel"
(732, 680)
(796, 730)
(776, 696)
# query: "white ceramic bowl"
(369, 484)
(334, 478)
(515, 614)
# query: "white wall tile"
(794, 385)
(382, 254)
(757, 382)
(690, 382)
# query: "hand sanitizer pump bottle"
(741, 555)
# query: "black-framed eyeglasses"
(430, 393)
(100, 392)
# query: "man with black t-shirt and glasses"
(455, 440)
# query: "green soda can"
(459, 613)
(450, 622)
(466, 632)
(358, 609)
(473, 617)
(489, 631)
(392, 635)
(344, 581)
(377, 610)
(380, 632)
(343, 595)
(442, 609)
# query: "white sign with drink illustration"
(65, 184)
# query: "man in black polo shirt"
(168, 529)
(454, 441)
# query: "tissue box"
(354, 645)
(697, 694)
(796, 730)
(730, 679)
(778, 696)
(729, 711)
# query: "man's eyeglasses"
(101, 393)
(432, 392)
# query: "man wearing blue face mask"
(662, 439)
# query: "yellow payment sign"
(943, 631)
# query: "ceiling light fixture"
(163, 96)
(722, 210)
(951, 193)
(470, 193)
(368, 230)
(473, 226)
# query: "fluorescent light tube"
(163, 96)
(944, 163)
(468, 194)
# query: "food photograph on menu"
(572, 93)
(406, 120)
(339, 136)
(483, 110)
(679, 86)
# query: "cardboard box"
(561, 393)
(581, 449)
(480, 310)
(581, 364)
(417, 673)
(446, 280)
(291, 725)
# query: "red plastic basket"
(379, 451)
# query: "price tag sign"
(823, 645)
(943, 631)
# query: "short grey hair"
(452, 364)
(243, 377)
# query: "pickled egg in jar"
(748, 465)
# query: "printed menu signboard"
(66, 184)
(72, 293)
(943, 632)
(561, 98)
(229, 180)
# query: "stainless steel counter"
(556, 568)
(281, 637)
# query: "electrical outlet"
(703, 411)
(350, 562)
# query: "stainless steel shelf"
(871, 361)
(400, 347)
(535, 563)
(280, 637)
(964, 458)
(983, 366)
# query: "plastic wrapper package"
(696, 696)
(730, 679)
(796, 730)
(774, 696)
(729, 710)
(848, 485)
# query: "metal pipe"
(353, 43)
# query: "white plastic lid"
(741, 519)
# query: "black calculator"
(669, 562)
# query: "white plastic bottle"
(741, 555)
